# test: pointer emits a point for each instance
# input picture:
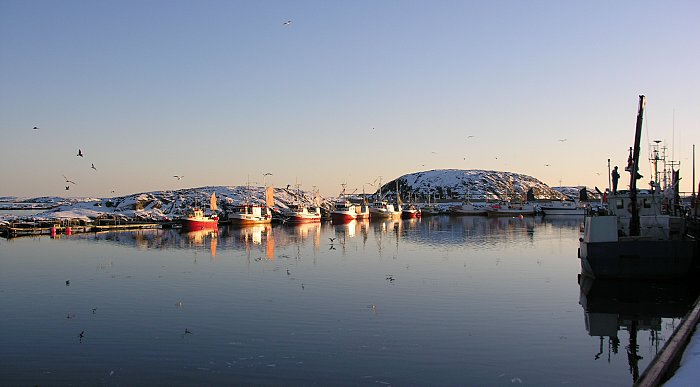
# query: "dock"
(667, 361)
(20, 229)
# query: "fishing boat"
(362, 210)
(382, 209)
(300, 213)
(410, 212)
(246, 214)
(250, 213)
(469, 208)
(194, 218)
(510, 209)
(640, 236)
(343, 211)
(563, 207)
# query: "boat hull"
(510, 212)
(343, 217)
(564, 211)
(303, 219)
(385, 215)
(248, 221)
(199, 224)
(637, 258)
(410, 214)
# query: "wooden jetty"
(19, 229)
(666, 362)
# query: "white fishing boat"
(640, 237)
(469, 208)
(563, 207)
(362, 210)
(382, 209)
(251, 213)
(343, 211)
(300, 213)
(510, 209)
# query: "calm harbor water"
(437, 301)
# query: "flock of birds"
(80, 154)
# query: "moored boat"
(298, 213)
(639, 237)
(469, 208)
(246, 214)
(194, 218)
(410, 212)
(343, 211)
(563, 207)
(510, 209)
(382, 209)
(362, 210)
(249, 213)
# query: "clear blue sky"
(223, 92)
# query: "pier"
(20, 229)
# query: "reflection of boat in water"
(195, 219)
(251, 233)
(640, 237)
(634, 306)
(201, 238)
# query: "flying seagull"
(68, 181)
(93, 166)
(80, 153)
(36, 128)
(178, 177)
(562, 140)
(288, 22)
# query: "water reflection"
(434, 231)
(432, 301)
(611, 307)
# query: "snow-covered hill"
(473, 184)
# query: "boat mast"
(634, 170)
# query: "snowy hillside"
(474, 184)
(443, 185)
